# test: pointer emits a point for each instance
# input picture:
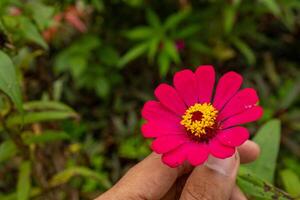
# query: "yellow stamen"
(207, 119)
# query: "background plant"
(74, 75)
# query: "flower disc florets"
(199, 120)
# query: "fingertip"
(249, 151)
(227, 167)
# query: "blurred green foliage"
(74, 75)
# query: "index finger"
(149, 179)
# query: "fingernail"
(225, 166)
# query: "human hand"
(152, 180)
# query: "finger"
(249, 151)
(149, 179)
(237, 194)
(214, 180)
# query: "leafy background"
(74, 75)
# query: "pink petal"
(250, 115)
(177, 156)
(195, 153)
(233, 136)
(155, 111)
(228, 85)
(168, 96)
(205, 76)
(185, 84)
(164, 144)
(198, 153)
(156, 129)
(218, 150)
(243, 100)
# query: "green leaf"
(34, 192)
(245, 50)
(200, 47)
(7, 150)
(10, 24)
(11, 196)
(139, 33)
(173, 20)
(24, 183)
(133, 147)
(65, 175)
(171, 50)
(291, 96)
(292, 164)
(103, 87)
(108, 55)
(46, 136)
(133, 54)
(187, 31)
(75, 58)
(271, 71)
(98, 5)
(9, 82)
(46, 105)
(254, 186)
(268, 138)
(152, 18)
(290, 181)
(31, 33)
(33, 117)
(153, 47)
(272, 5)
(164, 63)
(41, 13)
(229, 17)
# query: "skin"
(152, 180)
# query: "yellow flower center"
(199, 119)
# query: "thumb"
(214, 180)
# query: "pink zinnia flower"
(189, 123)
